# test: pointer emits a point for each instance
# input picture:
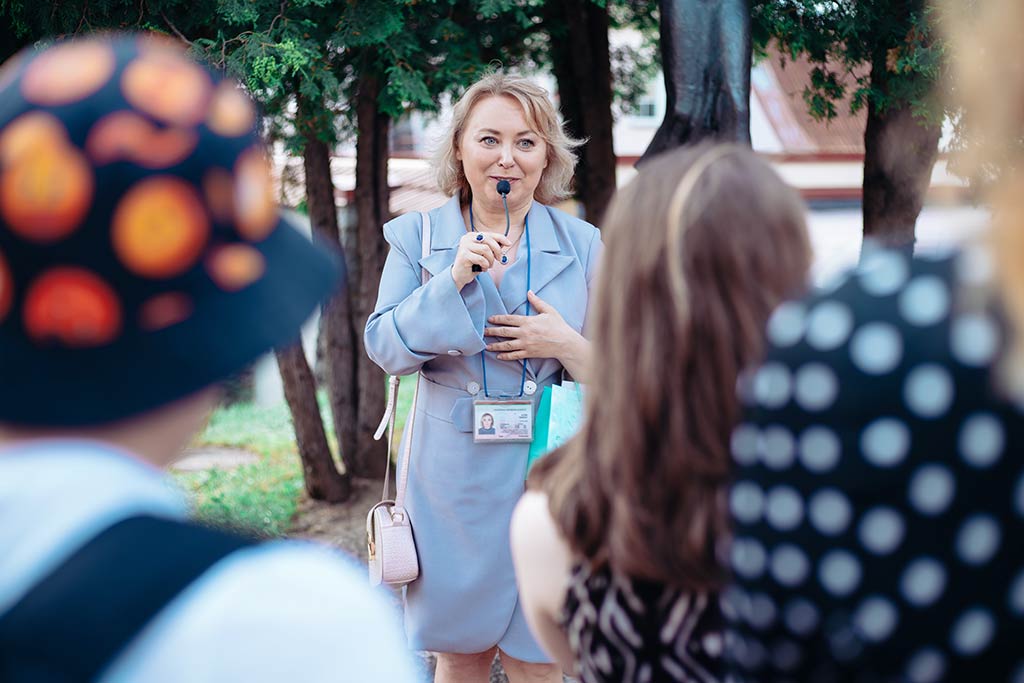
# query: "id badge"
(497, 421)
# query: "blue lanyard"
(483, 354)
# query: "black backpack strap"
(75, 621)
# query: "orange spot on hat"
(127, 136)
(68, 73)
(255, 208)
(29, 132)
(231, 112)
(168, 87)
(6, 288)
(72, 306)
(164, 310)
(46, 184)
(160, 227)
(235, 266)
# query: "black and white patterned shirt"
(629, 631)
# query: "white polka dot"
(925, 301)
(762, 611)
(777, 447)
(801, 617)
(978, 539)
(981, 440)
(931, 489)
(830, 512)
(816, 387)
(839, 572)
(881, 530)
(876, 618)
(1016, 597)
(885, 442)
(876, 348)
(773, 385)
(819, 449)
(786, 655)
(746, 501)
(928, 391)
(731, 601)
(829, 325)
(973, 631)
(786, 324)
(974, 339)
(926, 666)
(785, 510)
(789, 565)
(743, 444)
(882, 272)
(923, 582)
(748, 558)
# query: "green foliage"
(262, 496)
(887, 51)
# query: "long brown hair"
(700, 248)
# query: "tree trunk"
(583, 70)
(705, 57)
(899, 153)
(340, 343)
(321, 476)
(372, 199)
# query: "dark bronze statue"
(705, 50)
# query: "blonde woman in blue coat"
(504, 331)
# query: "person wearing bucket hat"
(142, 261)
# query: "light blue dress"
(460, 494)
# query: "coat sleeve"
(413, 323)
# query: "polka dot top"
(878, 504)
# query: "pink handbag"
(390, 543)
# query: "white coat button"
(454, 352)
(473, 388)
(530, 387)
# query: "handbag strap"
(388, 421)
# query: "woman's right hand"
(474, 251)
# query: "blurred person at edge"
(879, 497)
(475, 335)
(615, 545)
(142, 261)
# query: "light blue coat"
(461, 495)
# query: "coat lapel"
(545, 263)
(446, 227)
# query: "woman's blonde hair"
(700, 248)
(989, 79)
(556, 180)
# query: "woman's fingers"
(501, 331)
(510, 345)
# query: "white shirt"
(280, 611)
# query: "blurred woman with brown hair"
(616, 545)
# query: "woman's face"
(487, 422)
(498, 144)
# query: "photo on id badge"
(502, 421)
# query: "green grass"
(264, 495)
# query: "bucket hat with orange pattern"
(142, 256)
